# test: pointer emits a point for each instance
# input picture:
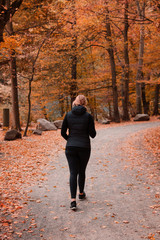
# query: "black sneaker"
(82, 197)
(73, 205)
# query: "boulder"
(45, 125)
(58, 123)
(37, 132)
(141, 117)
(105, 121)
(12, 135)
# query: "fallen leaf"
(157, 195)
(93, 178)
(103, 227)
(5, 224)
(19, 234)
(109, 204)
(155, 206)
(64, 229)
(72, 236)
(151, 236)
(42, 229)
(125, 222)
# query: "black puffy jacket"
(81, 125)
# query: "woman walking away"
(81, 126)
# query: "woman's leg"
(73, 163)
(84, 155)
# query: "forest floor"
(122, 186)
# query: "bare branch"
(94, 45)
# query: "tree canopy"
(106, 50)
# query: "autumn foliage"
(107, 50)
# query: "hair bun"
(80, 100)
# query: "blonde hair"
(80, 100)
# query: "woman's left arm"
(64, 128)
(92, 131)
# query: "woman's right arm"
(64, 128)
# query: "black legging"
(77, 160)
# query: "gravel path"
(118, 204)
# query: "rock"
(141, 117)
(45, 125)
(58, 123)
(12, 135)
(104, 121)
(37, 132)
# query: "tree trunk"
(67, 105)
(91, 106)
(3, 18)
(14, 85)
(156, 100)
(145, 102)
(116, 117)
(1, 31)
(122, 92)
(61, 103)
(110, 110)
(95, 109)
(31, 79)
(45, 112)
(139, 75)
(73, 84)
(125, 101)
(29, 104)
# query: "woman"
(81, 125)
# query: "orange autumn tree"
(8, 9)
(33, 32)
(90, 30)
(152, 64)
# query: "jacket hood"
(78, 110)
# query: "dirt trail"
(119, 200)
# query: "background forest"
(52, 50)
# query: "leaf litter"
(22, 163)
